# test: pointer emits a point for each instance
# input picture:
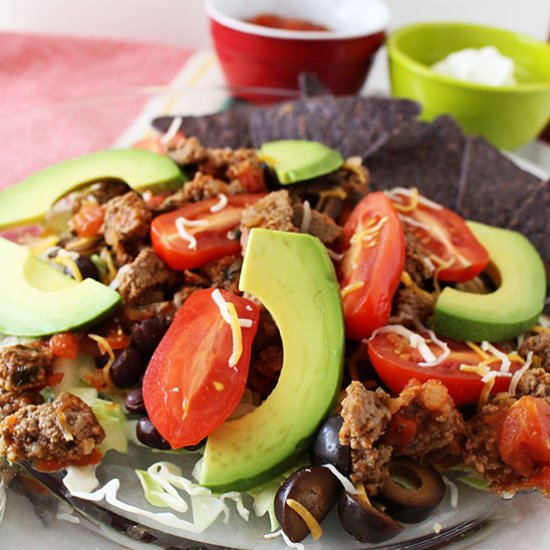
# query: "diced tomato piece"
(524, 436)
(396, 362)
(64, 344)
(447, 236)
(54, 379)
(372, 265)
(210, 230)
(189, 387)
(400, 431)
(88, 221)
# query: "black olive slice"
(364, 521)
(411, 491)
(316, 489)
(327, 449)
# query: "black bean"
(134, 402)
(128, 367)
(87, 268)
(148, 334)
(148, 435)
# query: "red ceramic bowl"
(253, 55)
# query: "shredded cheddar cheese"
(349, 289)
(43, 244)
(412, 206)
(105, 349)
(406, 279)
(236, 334)
(477, 349)
(111, 269)
(539, 329)
(182, 223)
(355, 165)
(486, 391)
(221, 204)
(172, 130)
(309, 519)
(68, 262)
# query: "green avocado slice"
(296, 160)
(37, 300)
(28, 201)
(292, 275)
(510, 310)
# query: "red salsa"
(286, 23)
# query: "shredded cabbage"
(112, 419)
(264, 501)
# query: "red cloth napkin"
(67, 72)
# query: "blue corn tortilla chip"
(426, 156)
(492, 187)
(353, 125)
(226, 129)
(532, 218)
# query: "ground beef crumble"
(481, 444)
(265, 367)
(24, 367)
(64, 430)
(321, 226)
(409, 307)
(439, 425)
(365, 416)
(144, 280)
(11, 402)
(127, 221)
(535, 382)
(417, 261)
(274, 211)
(539, 344)
(188, 150)
(201, 187)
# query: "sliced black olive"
(364, 521)
(316, 489)
(411, 491)
(327, 449)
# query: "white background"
(183, 22)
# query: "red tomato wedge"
(189, 388)
(445, 235)
(524, 436)
(396, 362)
(207, 231)
(372, 265)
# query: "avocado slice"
(28, 201)
(510, 310)
(296, 160)
(292, 275)
(38, 300)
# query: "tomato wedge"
(445, 235)
(207, 231)
(371, 268)
(396, 362)
(189, 388)
(524, 435)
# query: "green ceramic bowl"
(508, 116)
